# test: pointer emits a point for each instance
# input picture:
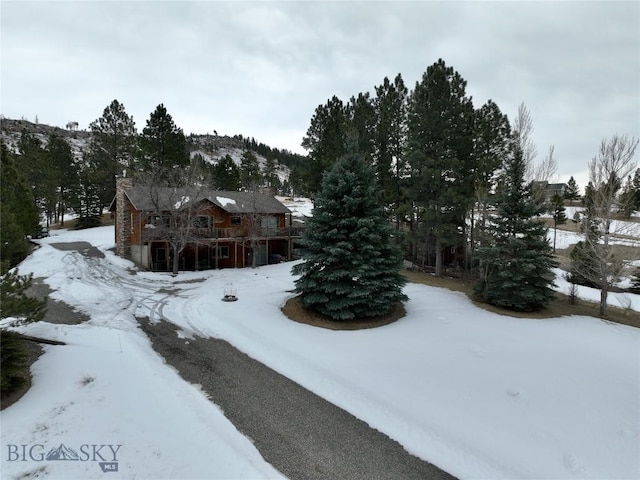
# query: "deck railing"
(233, 232)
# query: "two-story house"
(208, 228)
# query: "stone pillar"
(123, 217)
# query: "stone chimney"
(123, 217)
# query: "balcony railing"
(233, 232)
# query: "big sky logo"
(105, 454)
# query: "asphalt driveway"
(299, 433)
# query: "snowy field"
(479, 394)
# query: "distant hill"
(210, 147)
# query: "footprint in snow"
(515, 393)
(572, 464)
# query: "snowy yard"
(478, 394)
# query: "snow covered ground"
(479, 394)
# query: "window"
(236, 220)
(269, 222)
(223, 252)
(202, 221)
(269, 225)
(159, 221)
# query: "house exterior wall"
(140, 255)
(123, 217)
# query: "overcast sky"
(260, 68)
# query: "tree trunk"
(604, 292)
(438, 257)
(253, 254)
(176, 260)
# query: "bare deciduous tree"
(545, 171)
(548, 168)
(523, 131)
(613, 162)
(177, 196)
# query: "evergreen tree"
(515, 271)
(163, 145)
(250, 176)
(13, 362)
(389, 138)
(584, 266)
(559, 215)
(14, 303)
(18, 213)
(226, 174)
(38, 173)
(627, 199)
(85, 196)
(490, 150)
(635, 183)
(112, 149)
(65, 172)
(361, 120)
(326, 140)
(350, 268)
(440, 144)
(270, 174)
(635, 282)
(573, 191)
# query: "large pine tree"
(440, 146)
(326, 141)
(18, 213)
(515, 270)
(389, 136)
(226, 174)
(351, 267)
(491, 146)
(163, 145)
(112, 149)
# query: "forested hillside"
(73, 170)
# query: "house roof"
(232, 202)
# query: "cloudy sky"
(261, 68)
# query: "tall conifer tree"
(389, 140)
(326, 140)
(112, 149)
(65, 171)
(163, 144)
(18, 213)
(440, 145)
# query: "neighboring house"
(224, 229)
(551, 189)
